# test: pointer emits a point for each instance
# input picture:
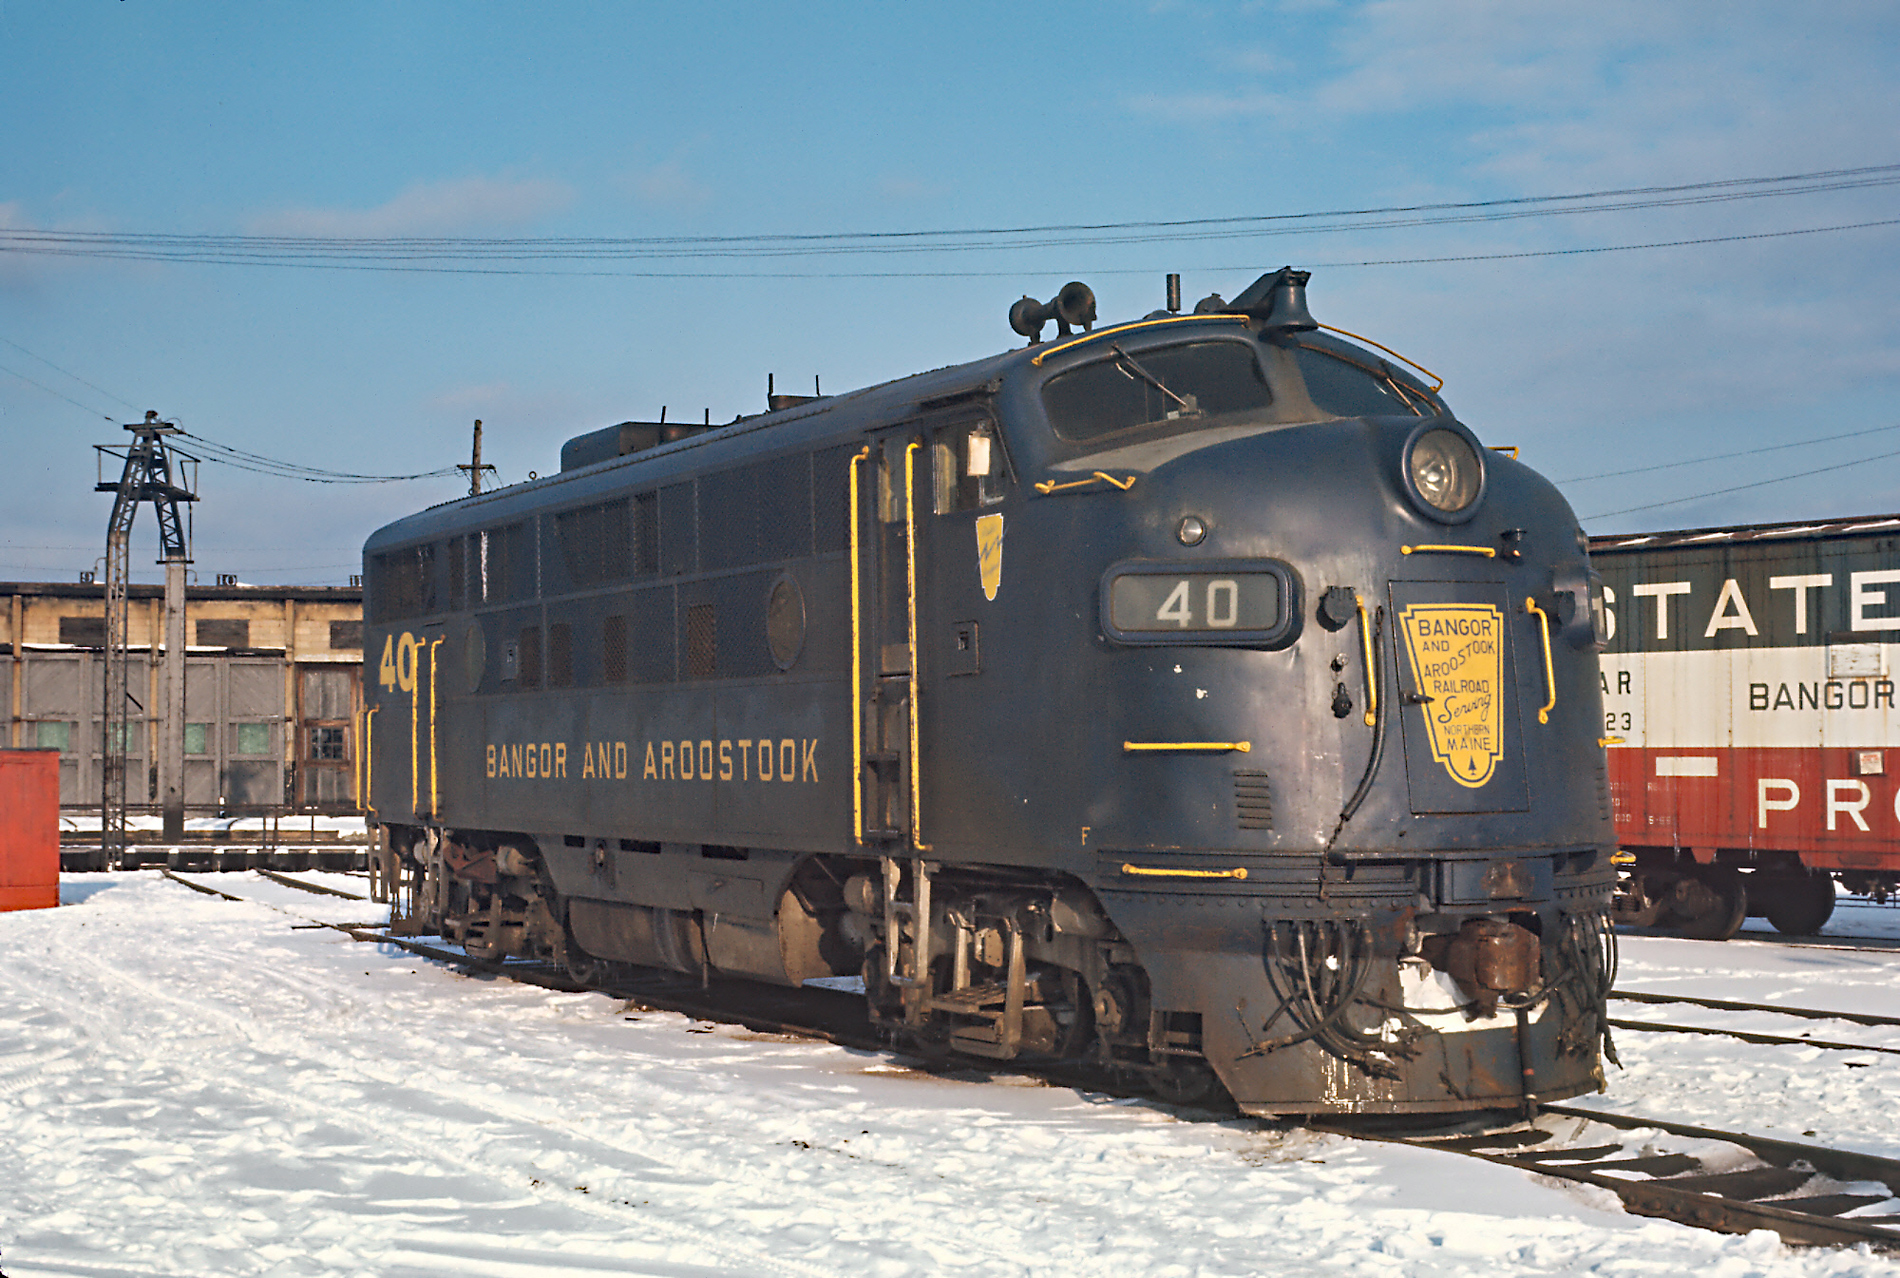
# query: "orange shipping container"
(29, 829)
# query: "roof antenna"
(814, 387)
(662, 414)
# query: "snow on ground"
(191, 1086)
(1819, 1095)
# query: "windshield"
(1188, 383)
(1352, 383)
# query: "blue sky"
(641, 120)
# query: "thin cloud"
(1190, 107)
(669, 185)
(429, 208)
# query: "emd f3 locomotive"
(1195, 696)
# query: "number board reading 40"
(1200, 601)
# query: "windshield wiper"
(1126, 363)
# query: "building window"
(346, 634)
(129, 736)
(195, 737)
(326, 743)
(251, 738)
(87, 632)
(223, 633)
(53, 736)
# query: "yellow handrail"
(1136, 747)
(1047, 486)
(369, 759)
(1372, 679)
(1439, 382)
(435, 802)
(1604, 743)
(415, 750)
(910, 571)
(1129, 328)
(1238, 872)
(857, 658)
(1489, 552)
(1550, 669)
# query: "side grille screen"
(1253, 801)
(702, 641)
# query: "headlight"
(1446, 472)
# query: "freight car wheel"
(1710, 904)
(1796, 904)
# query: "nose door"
(1457, 697)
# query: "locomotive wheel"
(1710, 904)
(1796, 904)
(583, 968)
(1183, 1081)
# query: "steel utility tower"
(153, 472)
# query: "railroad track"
(1729, 1182)
(1861, 944)
(1753, 1036)
(1768, 936)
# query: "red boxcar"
(1754, 745)
(29, 829)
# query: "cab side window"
(967, 467)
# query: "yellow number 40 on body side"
(398, 666)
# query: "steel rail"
(1801, 1192)
(316, 888)
(1726, 1005)
(1750, 1036)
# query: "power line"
(1575, 252)
(1736, 488)
(75, 376)
(1747, 452)
(1091, 271)
(437, 254)
(50, 391)
(260, 464)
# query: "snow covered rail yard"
(1722, 1180)
(196, 1086)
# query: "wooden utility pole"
(474, 466)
